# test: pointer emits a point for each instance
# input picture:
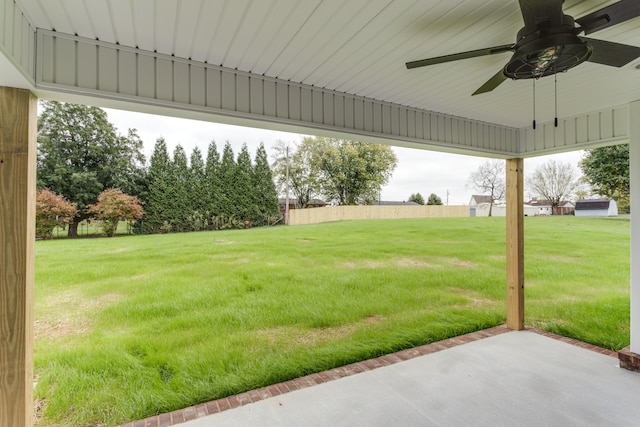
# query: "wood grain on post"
(18, 115)
(515, 244)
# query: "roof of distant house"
(481, 198)
(592, 204)
(312, 202)
(539, 203)
(393, 203)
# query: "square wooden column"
(18, 115)
(634, 176)
(630, 357)
(515, 244)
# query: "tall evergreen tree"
(197, 181)
(158, 198)
(227, 184)
(265, 196)
(197, 191)
(243, 186)
(212, 173)
(182, 206)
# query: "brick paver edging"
(575, 342)
(216, 406)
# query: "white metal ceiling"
(358, 47)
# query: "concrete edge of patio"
(209, 408)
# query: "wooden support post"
(18, 115)
(634, 175)
(515, 244)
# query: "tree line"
(87, 170)
(212, 193)
(433, 199)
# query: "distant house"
(544, 207)
(539, 207)
(478, 199)
(294, 204)
(479, 205)
(596, 207)
(532, 208)
(392, 203)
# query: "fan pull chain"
(555, 80)
(534, 103)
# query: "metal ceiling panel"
(122, 22)
(289, 21)
(227, 30)
(142, 13)
(102, 22)
(210, 17)
(165, 26)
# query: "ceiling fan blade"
(462, 55)
(491, 84)
(610, 53)
(609, 16)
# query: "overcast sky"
(418, 171)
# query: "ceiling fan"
(550, 42)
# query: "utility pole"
(447, 197)
(286, 206)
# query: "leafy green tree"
(265, 196)
(554, 181)
(434, 200)
(351, 172)
(114, 206)
(606, 169)
(489, 179)
(52, 210)
(80, 154)
(158, 202)
(131, 171)
(416, 198)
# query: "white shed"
(596, 207)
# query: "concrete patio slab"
(515, 378)
(490, 377)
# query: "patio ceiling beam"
(75, 65)
(608, 126)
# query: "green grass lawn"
(133, 326)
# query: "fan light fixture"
(547, 55)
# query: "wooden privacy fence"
(341, 213)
